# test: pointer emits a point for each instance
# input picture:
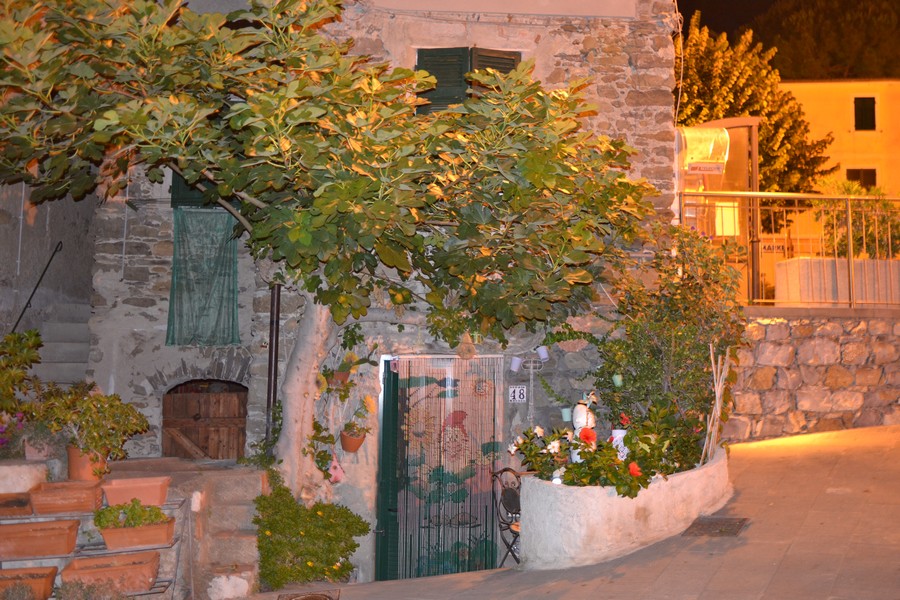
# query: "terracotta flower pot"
(121, 538)
(38, 579)
(85, 467)
(15, 505)
(40, 538)
(338, 378)
(149, 490)
(65, 497)
(351, 443)
(128, 573)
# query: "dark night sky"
(723, 15)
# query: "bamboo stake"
(721, 365)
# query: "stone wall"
(627, 63)
(28, 235)
(816, 370)
(131, 280)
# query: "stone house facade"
(622, 48)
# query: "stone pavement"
(823, 516)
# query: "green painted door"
(439, 432)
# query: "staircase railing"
(58, 247)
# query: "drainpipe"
(272, 378)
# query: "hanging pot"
(566, 412)
(85, 467)
(351, 443)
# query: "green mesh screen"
(203, 299)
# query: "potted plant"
(148, 490)
(354, 432)
(96, 425)
(37, 581)
(134, 525)
(132, 573)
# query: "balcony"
(805, 250)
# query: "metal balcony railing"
(806, 249)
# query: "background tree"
(495, 214)
(832, 39)
(718, 80)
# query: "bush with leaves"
(298, 543)
(669, 312)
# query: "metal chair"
(506, 497)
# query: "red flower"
(624, 419)
(634, 469)
(588, 436)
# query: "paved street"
(823, 516)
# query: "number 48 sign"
(518, 394)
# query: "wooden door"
(204, 425)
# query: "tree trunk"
(316, 334)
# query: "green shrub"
(299, 544)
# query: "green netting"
(203, 299)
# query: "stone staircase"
(227, 560)
(67, 344)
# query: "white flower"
(519, 441)
(570, 435)
(553, 447)
(539, 431)
(512, 448)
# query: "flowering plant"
(548, 456)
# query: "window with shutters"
(203, 293)
(450, 65)
(865, 177)
(864, 114)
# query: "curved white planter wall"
(567, 526)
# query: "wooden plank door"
(203, 425)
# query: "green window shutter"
(449, 66)
(183, 194)
(499, 60)
(203, 297)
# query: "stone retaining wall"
(809, 370)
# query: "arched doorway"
(205, 419)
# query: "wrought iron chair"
(506, 497)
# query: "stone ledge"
(19, 476)
(566, 526)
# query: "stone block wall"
(810, 370)
(627, 63)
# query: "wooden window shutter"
(498, 60)
(449, 66)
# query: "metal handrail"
(58, 247)
(816, 236)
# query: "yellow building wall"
(828, 106)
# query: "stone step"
(233, 547)
(65, 352)
(231, 581)
(55, 331)
(231, 517)
(238, 486)
(62, 373)
(71, 312)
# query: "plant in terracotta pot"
(134, 525)
(355, 429)
(96, 425)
